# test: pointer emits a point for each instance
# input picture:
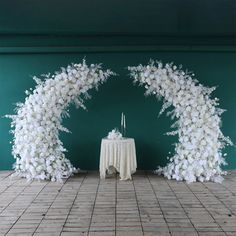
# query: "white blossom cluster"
(114, 135)
(198, 154)
(37, 148)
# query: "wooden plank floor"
(148, 205)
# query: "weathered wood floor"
(148, 205)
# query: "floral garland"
(38, 151)
(198, 155)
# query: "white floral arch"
(198, 155)
(39, 153)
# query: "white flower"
(198, 152)
(37, 122)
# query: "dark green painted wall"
(119, 16)
(38, 37)
(117, 95)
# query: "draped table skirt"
(120, 154)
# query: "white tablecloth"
(120, 154)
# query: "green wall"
(117, 95)
(38, 37)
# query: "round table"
(120, 154)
